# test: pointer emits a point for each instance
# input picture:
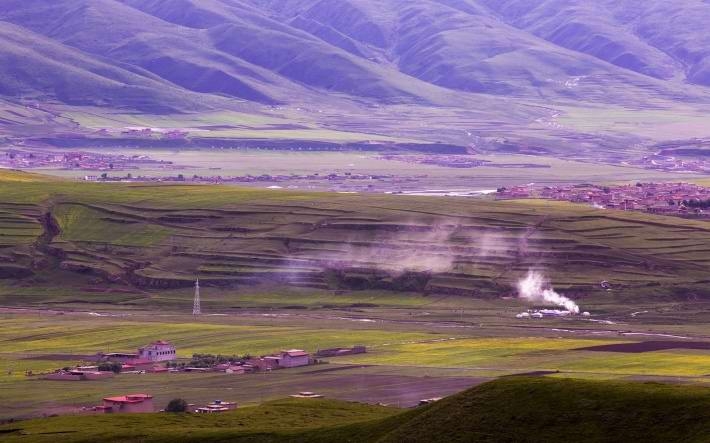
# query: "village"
(678, 199)
(668, 163)
(264, 178)
(79, 160)
(160, 357)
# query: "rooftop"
(295, 353)
(130, 398)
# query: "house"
(129, 403)
(217, 406)
(157, 351)
(230, 368)
(294, 358)
(306, 394)
(139, 364)
(266, 363)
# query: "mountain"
(508, 64)
(265, 51)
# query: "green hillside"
(507, 410)
(545, 410)
(162, 236)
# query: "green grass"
(79, 223)
(544, 410)
(282, 419)
(231, 234)
(524, 354)
(509, 409)
(55, 334)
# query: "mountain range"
(165, 56)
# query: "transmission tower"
(196, 303)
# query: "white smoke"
(536, 289)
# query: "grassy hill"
(510, 409)
(162, 236)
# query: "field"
(162, 236)
(407, 176)
(509, 409)
(410, 355)
(430, 291)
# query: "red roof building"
(130, 403)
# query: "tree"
(176, 405)
(111, 366)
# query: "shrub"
(176, 405)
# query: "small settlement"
(161, 357)
(678, 199)
(80, 161)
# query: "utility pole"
(196, 303)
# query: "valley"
(101, 268)
(354, 221)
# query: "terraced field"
(164, 236)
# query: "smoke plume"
(536, 289)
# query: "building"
(138, 364)
(306, 394)
(294, 358)
(157, 351)
(129, 403)
(79, 375)
(217, 406)
(337, 352)
(120, 357)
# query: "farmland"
(162, 236)
(539, 409)
(406, 176)
(430, 291)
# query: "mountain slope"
(34, 67)
(467, 46)
(484, 70)
(269, 52)
(655, 38)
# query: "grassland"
(285, 419)
(409, 356)
(512, 409)
(417, 280)
(163, 235)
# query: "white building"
(157, 351)
(293, 358)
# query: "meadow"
(166, 234)
(427, 284)
(406, 360)
(508, 409)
